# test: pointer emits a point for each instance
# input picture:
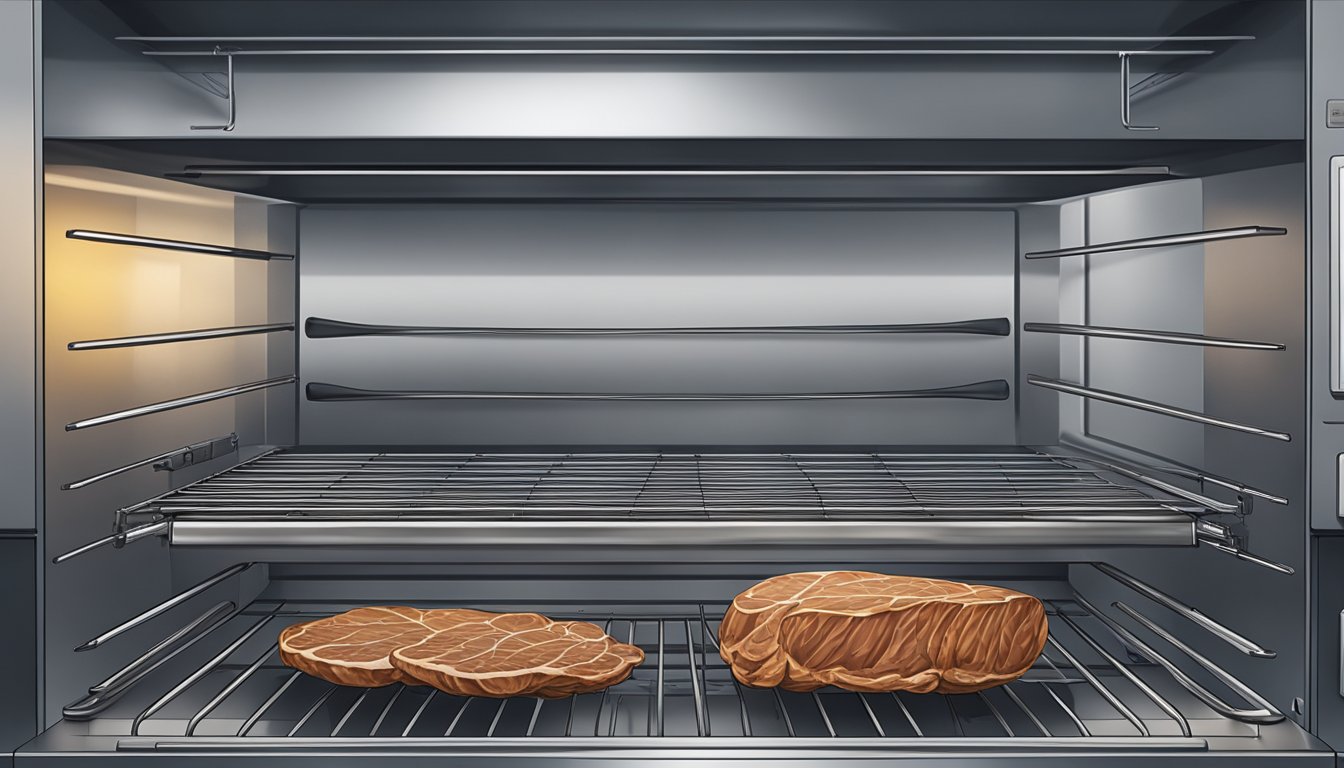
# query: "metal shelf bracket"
(1125, 95)
(231, 94)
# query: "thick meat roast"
(352, 648)
(516, 654)
(869, 632)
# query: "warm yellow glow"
(142, 187)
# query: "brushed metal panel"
(18, 286)
(1153, 288)
(651, 265)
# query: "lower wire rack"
(967, 498)
(232, 691)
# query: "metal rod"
(1022, 705)
(350, 712)
(1198, 498)
(181, 402)
(784, 712)
(1205, 236)
(1224, 633)
(230, 94)
(1077, 721)
(872, 716)
(254, 170)
(1231, 485)
(1003, 723)
(536, 712)
(659, 696)
(687, 52)
(196, 676)
(407, 730)
(498, 714)
(1105, 692)
(323, 328)
(1152, 407)
(1243, 555)
(202, 624)
(312, 710)
(123, 538)
(169, 338)
(825, 716)
(458, 716)
(228, 689)
(1147, 690)
(165, 606)
(697, 694)
(905, 711)
(178, 39)
(1162, 337)
(1264, 715)
(391, 701)
(952, 713)
(996, 389)
(90, 480)
(117, 238)
(265, 705)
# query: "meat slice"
(516, 654)
(352, 648)
(870, 632)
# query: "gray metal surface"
(658, 265)
(1247, 91)
(19, 161)
(18, 644)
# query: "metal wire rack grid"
(665, 486)
(1075, 694)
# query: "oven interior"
(618, 365)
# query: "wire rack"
(232, 688)
(665, 485)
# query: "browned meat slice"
(869, 632)
(516, 654)
(352, 648)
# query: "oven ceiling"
(220, 18)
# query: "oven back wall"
(665, 264)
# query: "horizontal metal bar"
(122, 538)
(1111, 53)
(107, 693)
(1162, 337)
(90, 480)
(181, 402)
(1248, 557)
(1152, 407)
(1020, 530)
(1231, 485)
(116, 238)
(211, 618)
(996, 389)
(165, 606)
(1187, 238)
(698, 747)
(323, 328)
(1224, 633)
(169, 338)
(257, 170)
(689, 38)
